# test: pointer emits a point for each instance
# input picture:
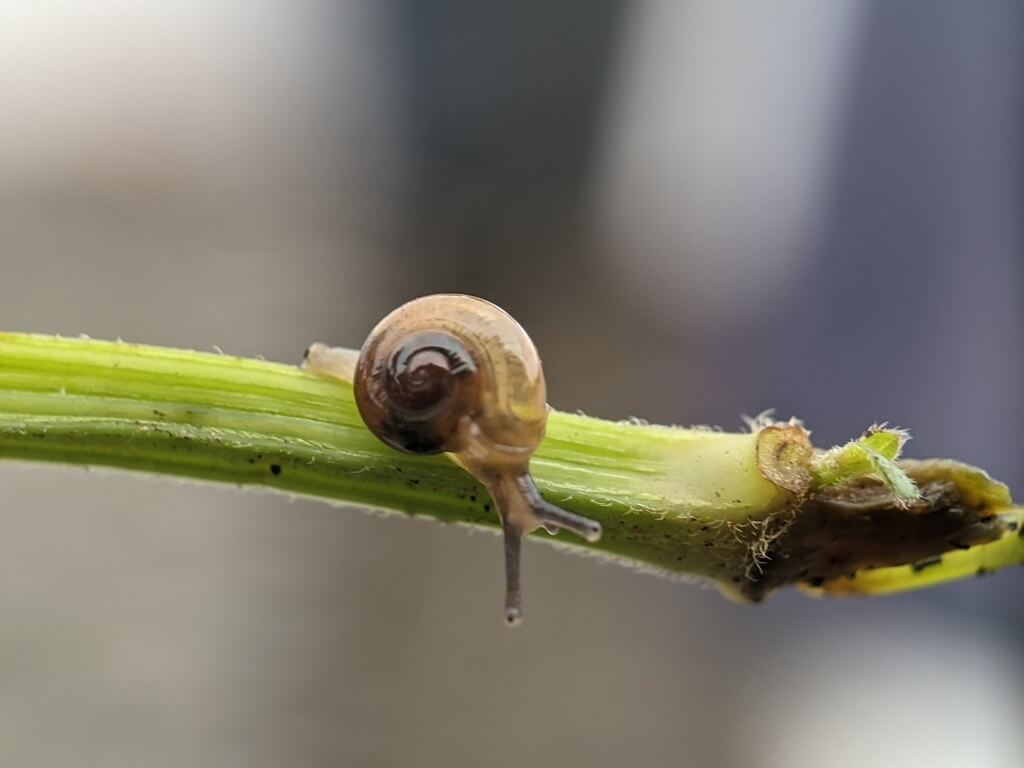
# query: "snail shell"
(456, 374)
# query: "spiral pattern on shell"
(445, 371)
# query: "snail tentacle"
(331, 361)
(513, 592)
(523, 510)
(554, 518)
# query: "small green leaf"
(899, 483)
(873, 454)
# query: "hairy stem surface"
(698, 502)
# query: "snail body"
(455, 374)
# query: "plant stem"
(675, 499)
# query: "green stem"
(670, 498)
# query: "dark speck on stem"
(920, 565)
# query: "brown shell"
(453, 373)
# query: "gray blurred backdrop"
(698, 209)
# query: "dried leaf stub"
(964, 561)
(843, 532)
(784, 454)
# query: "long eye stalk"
(523, 510)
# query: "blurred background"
(697, 209)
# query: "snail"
(457, 375)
